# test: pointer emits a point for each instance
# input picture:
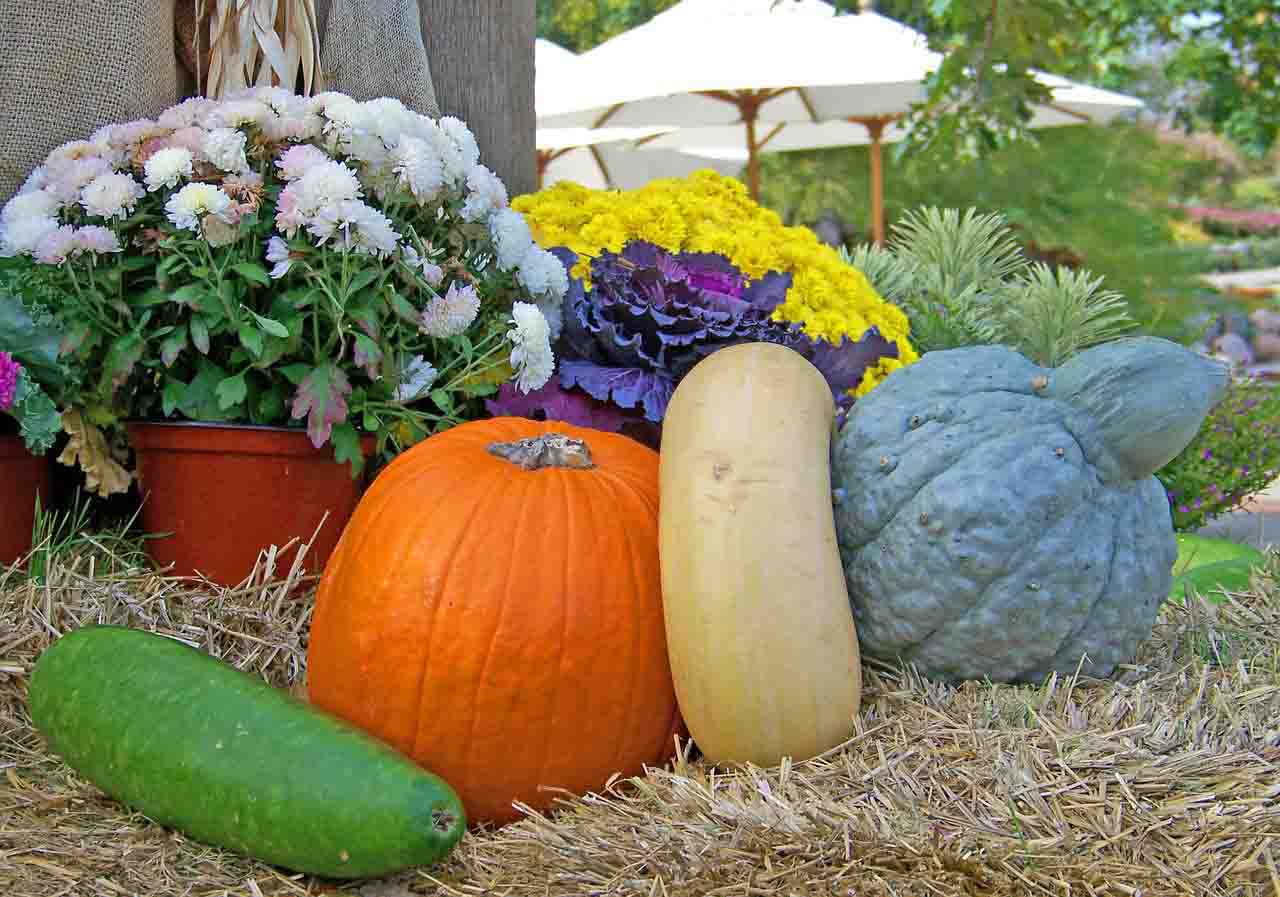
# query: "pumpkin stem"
(548, 450)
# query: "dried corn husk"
(255, 43)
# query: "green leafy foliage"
(1099, 194)
(579, 25)
(1235, 455)
(962, 280)
(1212, 64)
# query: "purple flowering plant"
(648, 318)
(1235, 455)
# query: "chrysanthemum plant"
(284, 260)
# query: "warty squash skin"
(502, 626)
(761, 637)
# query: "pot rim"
(216, 437)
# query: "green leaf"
(232, 391)
(200, 334)
(190, 295)
(346, 447)
(200, 399)
(150, 297)
(121, 358)
(171, 396)
(403, 308)
(253, 272)
(173, 345)
(271, 406)
(364, 278)
(296, 373)
(251, 339)
(443, 400)
(275, 328)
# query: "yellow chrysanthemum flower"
(707, 212)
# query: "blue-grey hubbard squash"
(999, 519)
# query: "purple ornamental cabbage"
(651, 315)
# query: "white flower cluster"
(337, 156)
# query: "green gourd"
(199, 746)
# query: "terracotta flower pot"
(226, 492)
(22, 476)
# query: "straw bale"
(1164, 781)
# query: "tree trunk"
(481, 55)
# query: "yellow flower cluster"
(706, 212)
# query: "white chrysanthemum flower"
(297, 160)
(69, 178)
(57, 246)
(130, 133)
(343, 117)
(367, 148)
(375, 234)
(537, 274)
(388, 119)
(452, 155)
(417, 377)
(185, 114)
(225, 149)
(98, 239)
(277, 128)
(458, 132)
(354, 226)
(272, 94)
(511, 237)
(542, 274)
(37, 180)
(531, 356)
(279, 256)
(111, 195)
(451, 314)
(73, 151)
(237, 113)
(327, 184)
(485, 193)
(189, 205)
(37, 204)
(418, 167)
(21, 235)
(168, 167)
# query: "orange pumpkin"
(494, 610)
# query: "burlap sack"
(68, 67)
(368, 49)
(374, 48)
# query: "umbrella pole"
(875, 127)
(753, 152)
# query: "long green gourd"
(220, 755)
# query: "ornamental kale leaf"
(651, 315)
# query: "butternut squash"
(760, 632)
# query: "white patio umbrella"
(756, 75)
(605, 157)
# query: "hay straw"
(1165, 781)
